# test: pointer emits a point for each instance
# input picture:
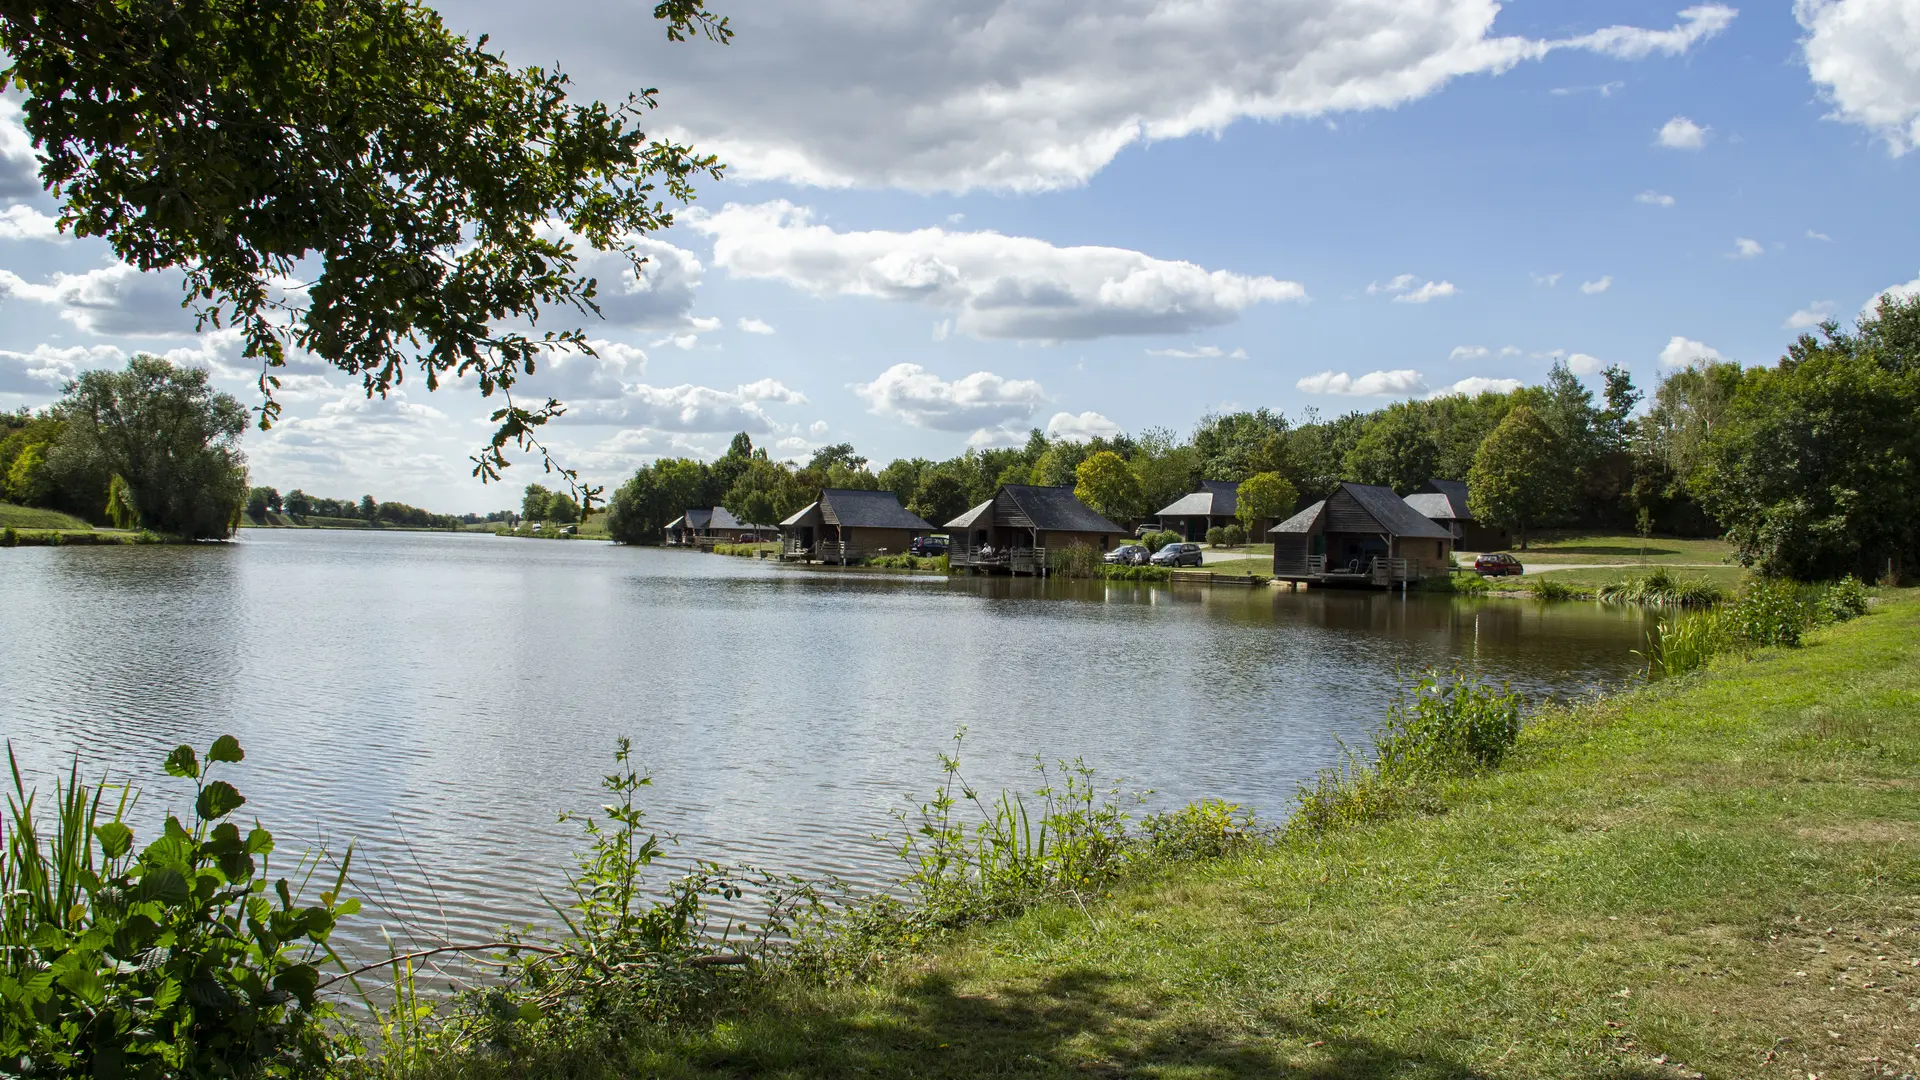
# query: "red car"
(1497, 564)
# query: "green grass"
(27, 517)
(1718, 873)
(1262, 565)
(1622, 548)
(1727, 577)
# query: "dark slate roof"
(699, 519)
(1393, 513)
(721, 519)
(798, 514)
(1054, 509)
(1302, 521)
(966, 520)
(852, 509)
(1448, 495)
(1216, 498)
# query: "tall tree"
(1520, 476)
(1264, 497)
(172, 439)
(1397, 450)
(411, 178)
(1104, 482)
(534, 501)
(941, 498)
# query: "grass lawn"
(1719, 875)
(1728, 577)
(1622, 548)
(27, 517)
(1257, 564)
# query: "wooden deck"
(1376, 572)
(1032, 561)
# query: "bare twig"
(483, 947)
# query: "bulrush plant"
(1662, 588)
(1765, 613)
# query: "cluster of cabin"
(1359, 535)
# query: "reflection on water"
(438, 699)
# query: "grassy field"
(1728, 577)
(1623, 548)
(1717, 875)
(27, 517)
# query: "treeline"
(302, 508)
(153, 447)
(1810, 467)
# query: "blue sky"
(947, 223)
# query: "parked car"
(1129, 555)
(1497, 564)
(1149, 527)
(1178, 555)
(928, 547)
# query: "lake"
(438, 699)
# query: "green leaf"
(259, 842)
(300, 980)
(217, 800)
(84, 983)
(115, 839)
(183, 762)
(226, 748)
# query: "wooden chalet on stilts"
(706, 526)
(1013, 531)
(1360, 535)
(846, 526)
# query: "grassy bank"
(1623, 548)
(28, 517)
(1714, 875)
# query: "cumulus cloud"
(753, 326)
(1469, 352)
(19, 171)
(115, 300)
(993, 408)
(1592, 288)
(995, 286)
(691, 409)
(1582, 364)
(1404, 291)
(1472, 387)
(1081, 427)
(42, 372)
(1372, 384)
(1896, 292)
(1860, 53)
(1200, 352)
(1812, 315)
(1820, 236)
(659, 297)
(1746, 248)
(23, 222)
(1681, 133)
(1020, 95)
(1654, 198)
(1681, 351)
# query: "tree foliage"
(1264, 496)
(1104, 482)
(1520, 475)
(408, 178)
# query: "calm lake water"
(438, 699)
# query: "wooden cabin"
(1214, 504)
(845, 526)
(1360, 535)
(1444, 502)
(705, 527)
(1013, 531)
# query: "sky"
(946, 223)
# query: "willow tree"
(347, 177)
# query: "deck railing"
(1014, 560)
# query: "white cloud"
(959, 94)
(1509, 350)
(23, 222)
(1812, 315)
(1682, 351)
(1820, 236)
(1681, 133)
(1746, 248)
(1897, 292)
(1582, 364)
(1549, 280)
(1861, 54)
(1472, 387)
(678, 341)
(753, 326)
(1372, 384)
(985, 403)
(1404, 290)
(1592, 288)
(1469, 352)
(47, 368)
(996, 286)
(691, 409)
(1604, 89)
(1080, 428)
(1654, 198)
(660, 297)
(19, 170)
(115, 300)
(1200, 352)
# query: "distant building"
(1014, 530)
(1360, 535)
(1214, 504)
(846, 525)
(1444, 502)
(706, 527)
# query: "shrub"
(1233, 535)
(1767, 612)
(9, 538)
(1545, 588)
(1075, 561)
(1157, 540)
(1217, 536)
(1844, 599)
(180, 960)
(1136, 573)
(1662, 588)
(1208, 829)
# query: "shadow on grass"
(1076, 1023)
